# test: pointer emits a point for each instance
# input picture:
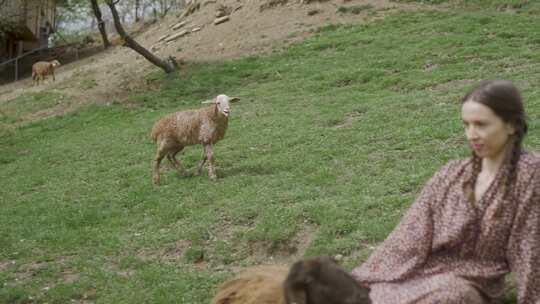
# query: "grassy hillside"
(332, 140)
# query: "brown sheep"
(204, 126)
(42, 68)
(318, 280)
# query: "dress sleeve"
(409, 244)
(524, 245)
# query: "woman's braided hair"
(504, 99)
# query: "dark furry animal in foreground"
(322, 281)
(318, 280)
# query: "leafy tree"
(72, 11)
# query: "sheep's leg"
(176, 164)
(157, 162)
(173, 161)
(162, 151)
(210, 156)
(201, 163)
(52, 72)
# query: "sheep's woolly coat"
(186, 128)
(259, 285)
(204, 126)
(42, 68)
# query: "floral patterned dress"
(448, 249)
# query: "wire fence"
(12, 69)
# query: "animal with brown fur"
(322, 281)
(204, 126)
(42, 68)
(318, 280)
(256, 285)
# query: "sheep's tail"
(161, 126)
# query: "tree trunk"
(167, 65)
(165, 6)
(137, 6)
(101, 24)
(162, 6)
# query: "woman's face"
(487, 133)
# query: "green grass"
(17, 111)
(422, 1)
(333, 138)
(355, 9)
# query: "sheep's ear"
(234, 99)
(209, 101)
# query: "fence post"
(19, 54)
(16, 68)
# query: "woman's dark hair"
(504, 99)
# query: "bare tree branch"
(168, 66)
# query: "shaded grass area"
(337, 134)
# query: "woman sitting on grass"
(475, 221)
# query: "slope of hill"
(254, 28)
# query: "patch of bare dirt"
(453, 85)
(285, 254)
(26, 272)
(5, 265)
(172, 253)
(350, 118)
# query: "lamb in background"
(204, 126)
(42, 68)
(318, 280)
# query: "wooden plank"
(221, 20)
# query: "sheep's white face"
(55, 63)
(223, 104)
